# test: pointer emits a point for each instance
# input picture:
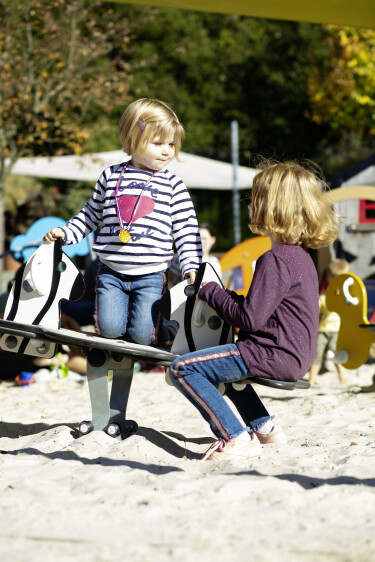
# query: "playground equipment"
(32, 326)
(346, 295)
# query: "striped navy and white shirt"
(165, 213)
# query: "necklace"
(124, 235)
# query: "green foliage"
(68, 68)
(216, 68)
(75, 197)
(103, 135)
(26, 200)
(342, 95)
(215, 207)
(61, 64)
(19, 190)
(57, 68)
(342, 92)
(297, 90)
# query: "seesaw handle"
(341, 356)
(190, 291)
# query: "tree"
(342, 85)
(215, 68)
(296, 89)
(62, 62)
(342, 94)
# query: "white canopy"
(195, 171)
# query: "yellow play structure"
(359, 13)
(238, 264)
(346, 295)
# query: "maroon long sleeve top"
(278, 320)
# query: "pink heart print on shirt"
(127, 203)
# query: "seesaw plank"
(84, 340)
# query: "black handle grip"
(190, 291)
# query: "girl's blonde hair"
(147, 119)
(288, 205)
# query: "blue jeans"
(195, 376)
(129, 304)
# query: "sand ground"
(150, 498)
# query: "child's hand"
(53, 235)
(191, 275)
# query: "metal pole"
(235, 191)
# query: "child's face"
(207, 241)
(157, 154)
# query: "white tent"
(196, 171)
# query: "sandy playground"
(150, 498)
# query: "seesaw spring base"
(109, 412)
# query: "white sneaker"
(236, 448)
(276, 435)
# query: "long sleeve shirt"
(278, 320)
(165, 213)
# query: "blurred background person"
(329, 326)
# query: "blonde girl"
(141, 209)
(277, 320)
